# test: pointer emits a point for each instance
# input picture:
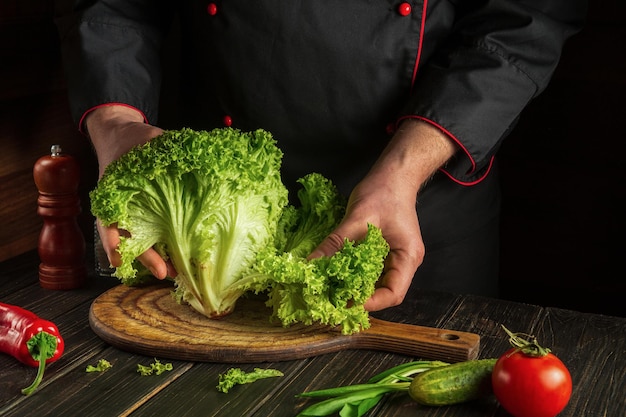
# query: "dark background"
(563, 167)
(564, 178)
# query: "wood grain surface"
(147, 320)
(592, 346)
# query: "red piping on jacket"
(419, 47)
(82, 119)
(450, 135)
(482, 177)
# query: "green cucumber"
(453, 384)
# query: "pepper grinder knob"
(61, 243)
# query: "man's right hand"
(114, 130)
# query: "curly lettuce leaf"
(326, 290)
(213, 203)
(208, 201)
(237, 376)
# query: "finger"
(329, 246)
(333, 243)
(171, 271)
(394, 284)
(390, 294)
(110, 238)
(153, 261)
(382, 298)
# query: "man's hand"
(376, 201)
(114, 130)
(386, 198)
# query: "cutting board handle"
(418, 341)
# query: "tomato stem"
(527, 344)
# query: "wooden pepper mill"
(61, 242)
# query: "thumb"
(333, 243)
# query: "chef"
(403, 105)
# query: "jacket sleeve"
(111, 53)
(501, 54)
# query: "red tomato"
(528, 386)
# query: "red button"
(404, 9)
(211, 9)
(228, 121)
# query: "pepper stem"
(41, 347)
(527, 344)
(42, 366)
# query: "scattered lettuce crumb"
(101, 366)
(235, 376)
(156, 368)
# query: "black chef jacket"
(332, 79)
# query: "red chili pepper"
(29, 339)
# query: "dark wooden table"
(592, 346)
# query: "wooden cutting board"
(147, 320)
